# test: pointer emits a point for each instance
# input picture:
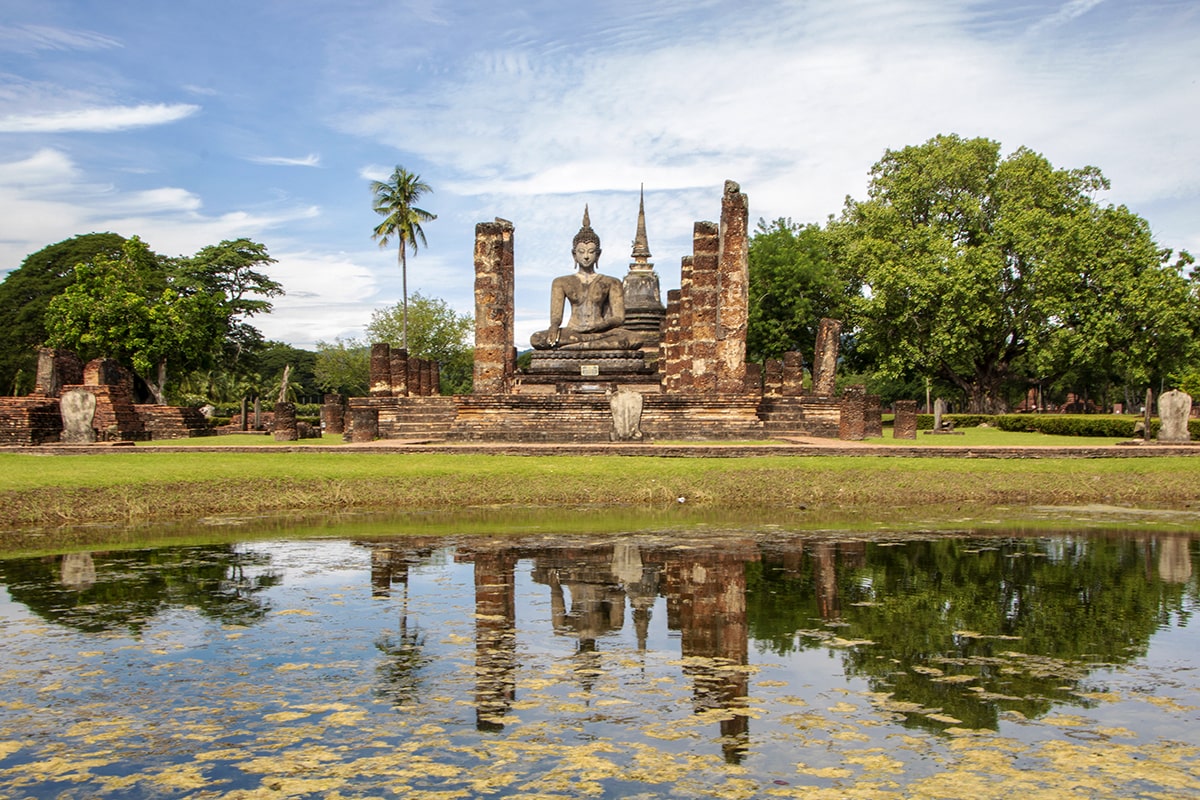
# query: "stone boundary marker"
(780, 448)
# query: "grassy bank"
(135, 487)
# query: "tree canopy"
(988, 272)
(146, 311)
(27, 291)
(794, 282)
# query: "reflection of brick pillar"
(793, 374)
(333, 414)
(829, 602)
(826, 356)
(733, 305)
(398, 372)
(773, 377)
(905, 424)
(494, 363)
(706, 295)
(706, 603)
(380, 380)
(364, 424)
(852, 425)
(495, 638)
(872, 417)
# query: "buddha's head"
(585, 247)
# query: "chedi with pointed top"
(597, 304)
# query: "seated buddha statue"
(597, 304)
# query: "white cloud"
(310, 160)
(31, 38)
(97, 120)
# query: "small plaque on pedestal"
(589, 370)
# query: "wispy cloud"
(310, 160)
(1073, 9)
(97, 120)
(31, 38)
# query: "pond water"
(728, 664)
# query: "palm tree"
(394, 200)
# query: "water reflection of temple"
(591, 588)
(718, 594)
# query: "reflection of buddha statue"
(597, 304)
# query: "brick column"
(670, 356)
(872, 417)
(905, 424)
(773, 378)
(826, 356)
(380, 381)
(706, 262)
(333, 414)
(734, 303)
(793, 374)
(852, 424)
(364, 424)
(494, 364)
(399, 372)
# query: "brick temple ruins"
(678, 371)
(652, 371)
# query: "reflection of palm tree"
(404, 650)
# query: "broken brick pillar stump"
(333, 414)
(398, 372)
(380, 379)
(285, 423)
(852, 425)
(905, 424)
(364, 425)
(873, 422)
(792, 382)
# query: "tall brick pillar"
(734, 302)
(706, 288)
(494, 332)
(826, 356)
(793, 374)
(905, 424)
(671, 355)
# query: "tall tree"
(395, 201)
(121, 309)
(28, 290)
(974, 266)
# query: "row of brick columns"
(394, 373)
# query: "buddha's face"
(586, 254)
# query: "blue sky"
(190, 122)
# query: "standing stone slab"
(826, 356)
(905, 424)
(626, 409)
(1174, 408)
(78, 408)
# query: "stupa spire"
(641, 246)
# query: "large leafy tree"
(28, 290)
(794, 282)
(343, 366)
(988, 272)
(128, 309)
(395, 200)
(233, 268)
